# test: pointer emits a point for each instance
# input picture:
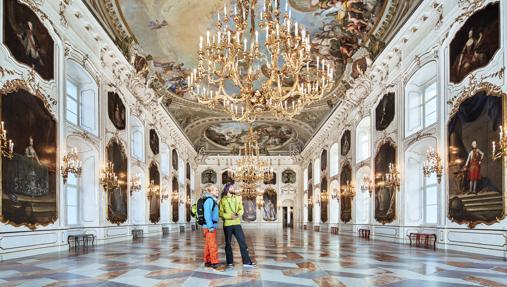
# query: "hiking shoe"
(230, 266)
(218, 267)
(250, 265)
(207, 264)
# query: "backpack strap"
(214, 204)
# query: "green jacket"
(229, 205)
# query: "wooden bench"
(316, 228)
(75, 239)
(364, 233)
(423, 240)
(165, 230)
(137, 233)
(334, 230)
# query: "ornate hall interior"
(364, 140)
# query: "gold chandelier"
(108, 179)
(249, 168)
(6, 145)
(392, 178)
(433, 164)
(71, 164)
(348, 190)
(367, 184)
(247, 77)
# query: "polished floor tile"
(284, 258)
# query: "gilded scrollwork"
(29, 84)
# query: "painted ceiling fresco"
(350, 33)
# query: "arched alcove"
(362, 199)
(334, 211)
(138, 198)
(422, 208)
(137, 138)
(81, 194)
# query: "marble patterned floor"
(284, 258)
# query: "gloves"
(210, 230)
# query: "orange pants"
(210, 246)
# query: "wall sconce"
(367, 184)
(348, 190)
(164, 195)
(433, 164)
(70, 164)
(334, 193)
(108, 179)
(260, 202)
(392, 178)
(6, 145)
(500, 150)
(135, 184)
(188, 200)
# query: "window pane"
(431, 194)
(71, 90)
(431, 214)
(72, 195)
(430, 92)
(414, 112)
(71, 179)
(72, 215)
(88, 110)
(72, 110)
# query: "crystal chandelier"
(247, 77)
(250, 168)
(500, 150)
(108, 179)
(348, 190)
(135, 184)
(249, 190)
(71, 164)
(153, 190)
(433, 164)
(392, 178)
(6, 145)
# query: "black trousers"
(237, 231)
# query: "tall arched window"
(164, 159)
(421, 99)
(333, 160)
(363, 140)
(137, 138)
(81, 100)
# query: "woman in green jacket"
(231, 210)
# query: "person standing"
(231, 210)
(473, 164)
(210, 228)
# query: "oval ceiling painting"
(230, 134)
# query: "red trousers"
(210, 246)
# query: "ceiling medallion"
(256, 66)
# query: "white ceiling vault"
(165, 35)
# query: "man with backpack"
(207, 216)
